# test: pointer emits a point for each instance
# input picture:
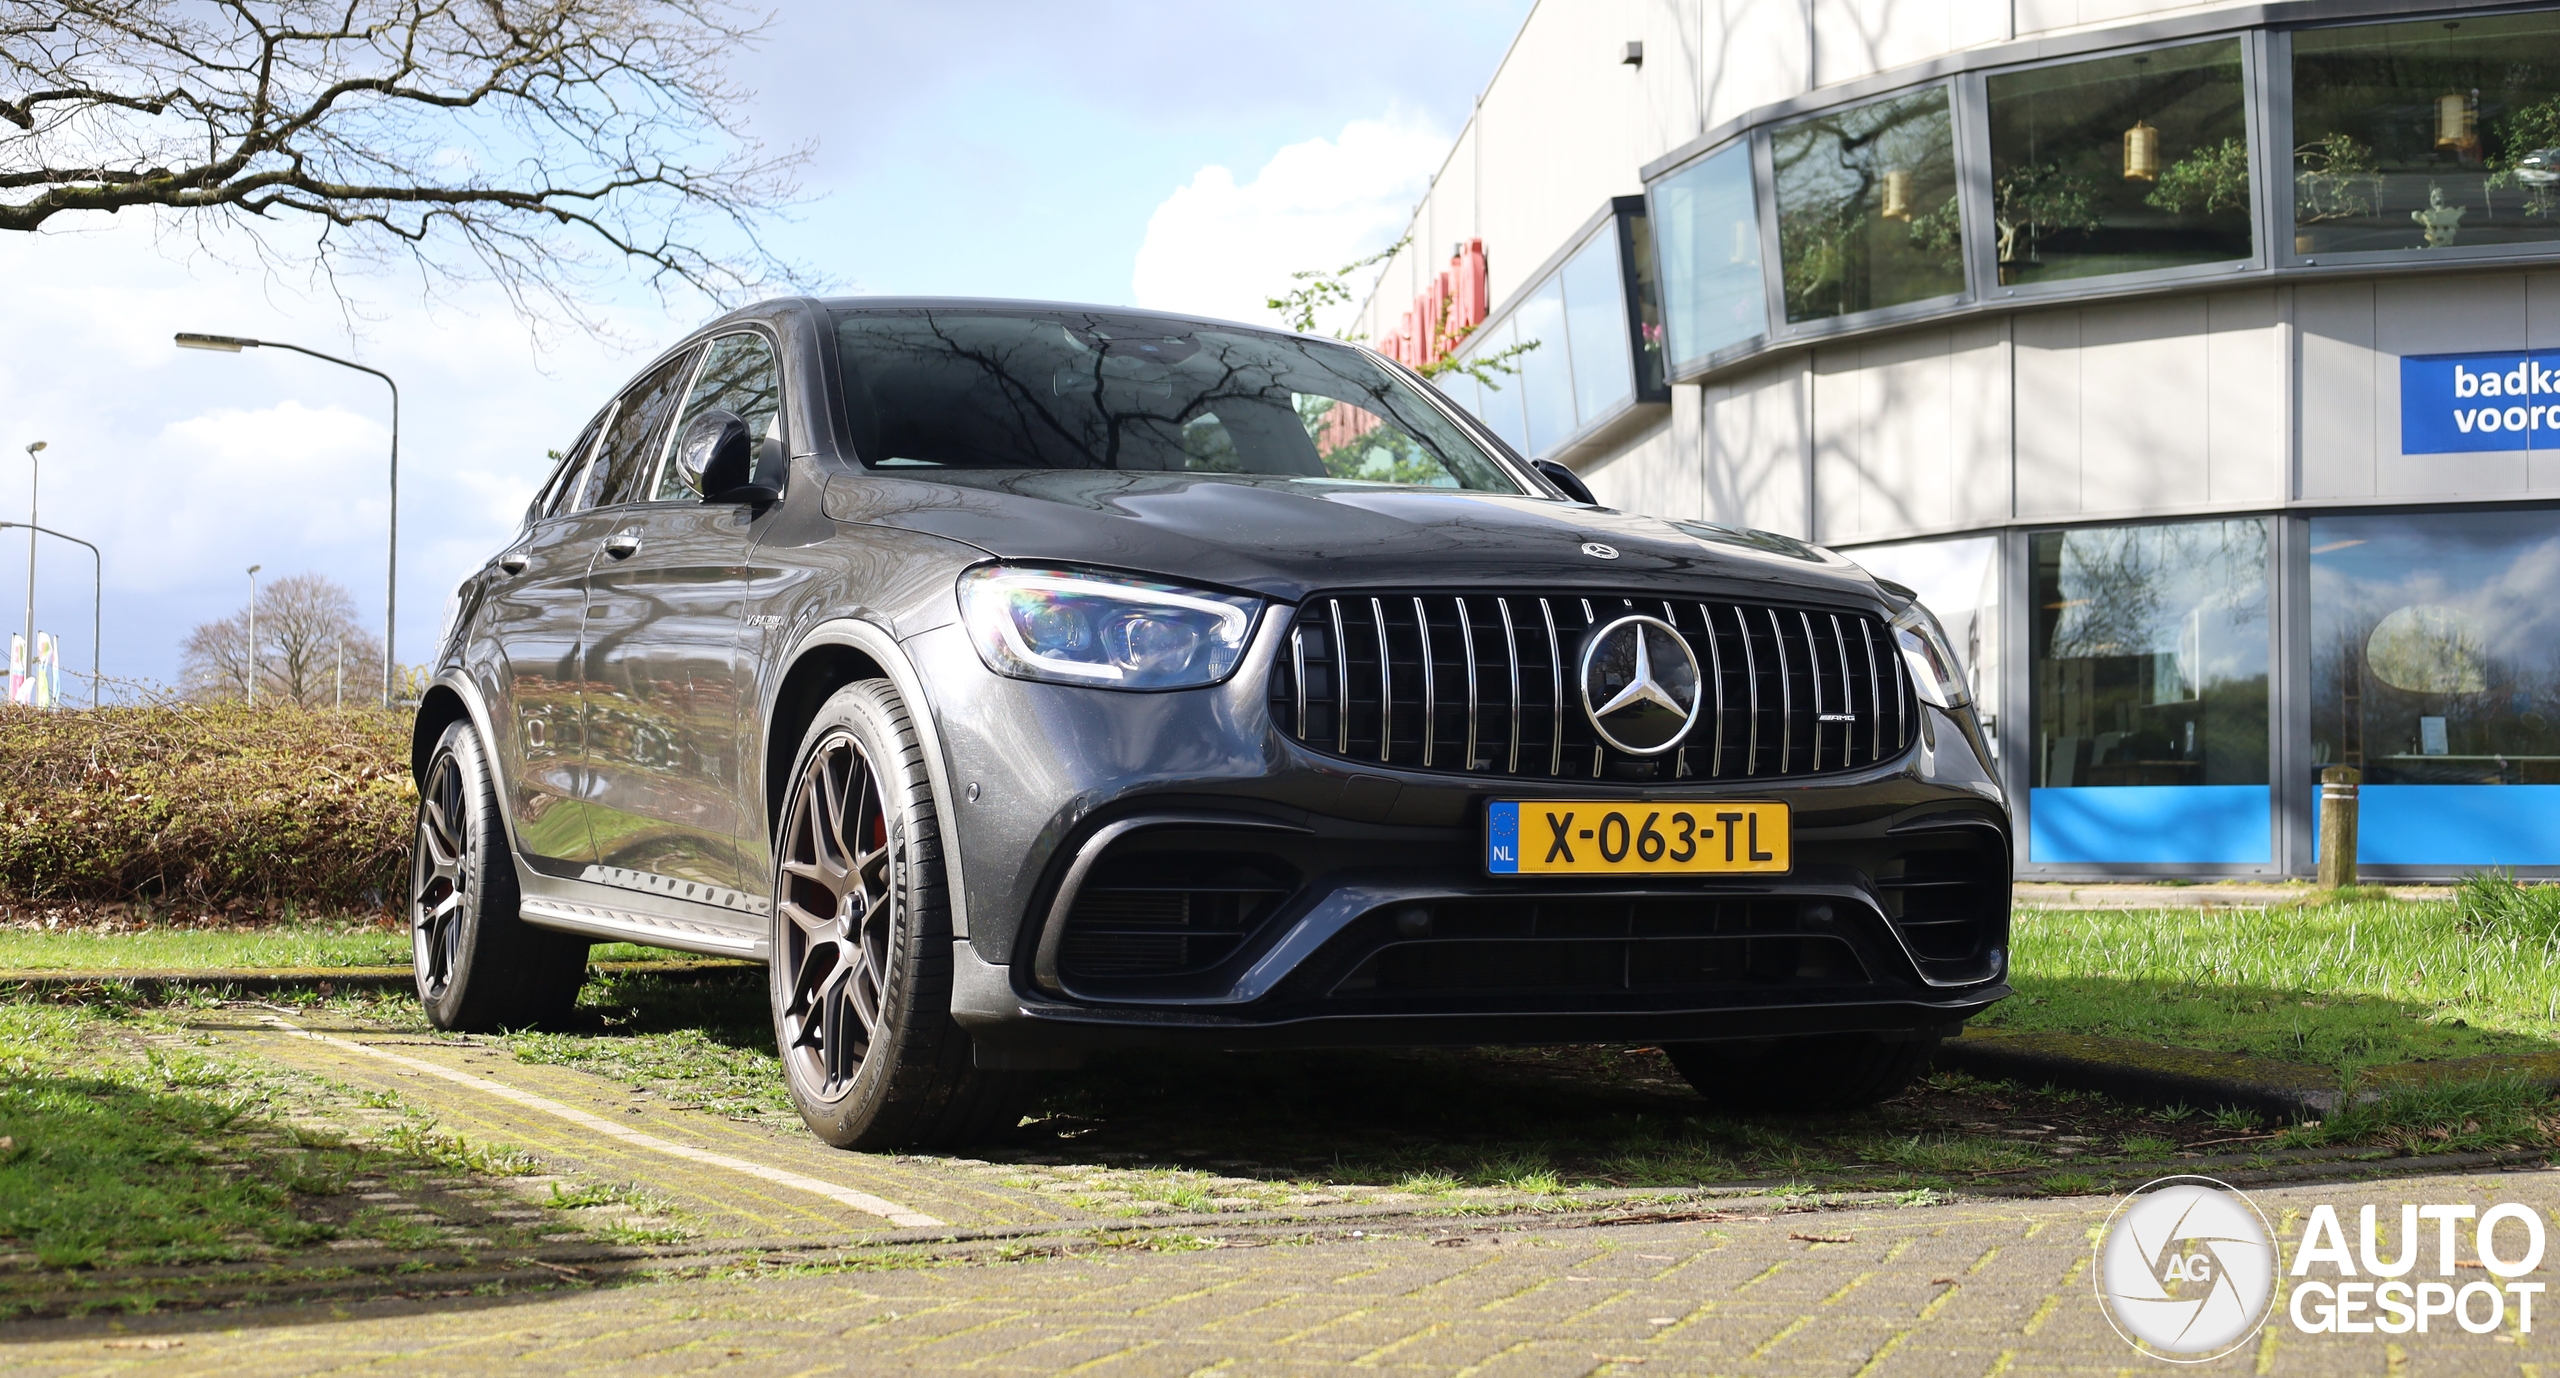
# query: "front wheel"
(479, 967)
(1807, 1072)
(861, 966)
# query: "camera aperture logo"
(2186, 1269)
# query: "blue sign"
(2459, 403)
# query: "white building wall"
(2353, 334)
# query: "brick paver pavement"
(1975, 1288)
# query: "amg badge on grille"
(1640, 684)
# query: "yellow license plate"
(1580, 838)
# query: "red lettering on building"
(1449, 310)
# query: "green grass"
(313, 943)
(2340, 984)
(353, 942)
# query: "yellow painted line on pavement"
(862, 1201)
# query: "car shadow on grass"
(2343, 1031)
(1430, 1121)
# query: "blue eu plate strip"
(1502, 839)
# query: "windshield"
(966, 388)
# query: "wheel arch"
(829, 657)
(450, 699)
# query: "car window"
(626, 458)
(934, 388)
(739, 375)
(568, 479)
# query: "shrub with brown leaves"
(214, 806)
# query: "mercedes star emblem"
(1597, 551)
(1640, 685)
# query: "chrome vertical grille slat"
(1786, 695)
(1430, 690)
(1751, 676)
(1875, 693)
(1511, 648)
(1744, 730)
(1467, 646)
(1386, 683)
(1848, 697)
(1298, 666)
(1715, 676)
(1813, 663)
(1555, 663)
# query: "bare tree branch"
(534, 143)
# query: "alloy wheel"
(439, 876)
(837, 903)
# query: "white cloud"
(1222, 248)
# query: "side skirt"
(616, 914)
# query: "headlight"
(1102, 629)
(1935, 670)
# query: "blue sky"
(1178, 156)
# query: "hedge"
(216, 806)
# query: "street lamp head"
(35, 447)
(255, 568)
(225, 344)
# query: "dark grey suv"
(1020, 680)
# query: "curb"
(322, 980)
(2157, 1075)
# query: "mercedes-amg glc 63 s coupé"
(1019, 680)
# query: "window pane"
(1709, 233)
(1649, 377)
(1960, 582)
(2435, 669)
(2149, 715)
(627, 462)
(2120, 165)
(2427, 136)
(740, 377)
(1867, 207)
(1546, 372)
(1595, 299)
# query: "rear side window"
(738, 375)
(627, 459)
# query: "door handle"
(622, 544)
(513, 562)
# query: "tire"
(861, 969)
(1807, 1072)
(479, 967)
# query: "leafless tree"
(309, 641)
(531, 142)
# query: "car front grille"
(1486, 683)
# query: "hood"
(1286, 537)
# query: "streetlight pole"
(233, 344)
(97, 599)
(35, 471)
(253, 634)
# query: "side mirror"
(1565, 479)
(716, 455)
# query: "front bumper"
(1188, 874)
